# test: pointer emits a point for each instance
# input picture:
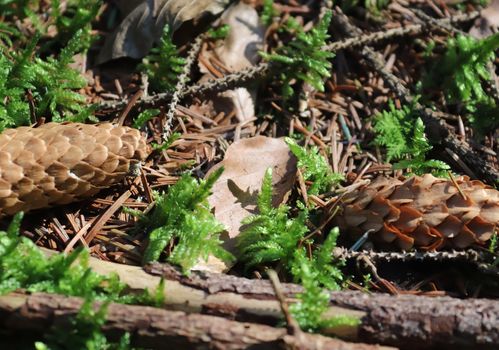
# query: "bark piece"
(156, 328)
(426, 212)
(404, 320)
(424, 321)
(60, 163)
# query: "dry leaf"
(235, 193)
(242, 101)
(487, 22)
(239, 50)
(245, 38)
(143, 26)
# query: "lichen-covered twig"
(263, 69)
(180, 86)
(483, 260)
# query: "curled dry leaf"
(239, 50)
(235, 193)
(143, 26)
(488, 22)
(245, 38)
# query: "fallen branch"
(155, 328)
(402, 320)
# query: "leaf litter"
(244, 134)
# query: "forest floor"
(364, 111)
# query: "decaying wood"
(404, 321)
(157, 328)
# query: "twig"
(180, 86)
(265, 68)
(435, 23)
(481, 259)
(129, 106)
(292, 326)
(153, 328)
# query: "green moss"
(163, 65)
(183, 216)
(315, 168)
(303, 59)
(24, 265)
(401, 131)
(270, 235)
(51, 82)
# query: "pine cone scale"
(61, 163)
(423, 212)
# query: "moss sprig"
(303, 59)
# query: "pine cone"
(425, 212)
(61, 163)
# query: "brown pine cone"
(61, 163)
(424, 212)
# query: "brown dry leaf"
(245, 38)
(487, 22)
(242, 101)
(235, 193)
(143, 25)
(239, 50)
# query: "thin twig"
(180, 86)
(292, 325)
(264, 69)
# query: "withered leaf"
(143, 26)
(235, 193)
(488, 22)
(238, 50)
(240, 47)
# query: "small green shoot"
(163, 65)
(76, 18)
(269, 12)
(219, 33)
(270, 236)
(367, 281)
(494, 240)
(183, 216)
(85, 332)
(314, 167)
(401, 131)
(462, 70)
(166, 144)
(314, 301)
(304, 59)
(144, 117)
(327, 269)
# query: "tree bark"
(157, 328)
(404, 320)
(407, 321)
